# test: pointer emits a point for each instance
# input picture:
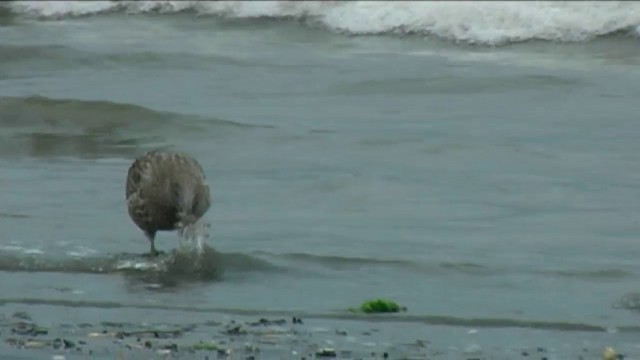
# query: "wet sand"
(101, 329)
(285, 336)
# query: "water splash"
(193, 238)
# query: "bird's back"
(152, 182)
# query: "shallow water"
(461, 180)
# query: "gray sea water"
(486, 179)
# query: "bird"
(166, 191)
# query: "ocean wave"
(597, 274)
(337, 262)
(473, 22)
(63, 57)
(94, 116)
(444, 268)
(168, 270)
(41, 126)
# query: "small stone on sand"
(609, 354)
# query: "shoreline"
(279, 335)
(345, 315)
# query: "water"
(465, 160)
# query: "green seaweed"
(376, 306)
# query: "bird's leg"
(151, 235)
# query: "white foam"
(21, 249)
(33, 251)
(137, 265)
(50, 9)
(11, 248)
(462, 21)
(81, 251)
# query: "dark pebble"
(236, 330)
(326, 353)
(267, 322)
(22, 315)
(422, 343)
(172, 347)
(12, 342)
(24, 328)
(68, 343)
(113, 324)
(524, 353)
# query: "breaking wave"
(166, 270)
(473, 22)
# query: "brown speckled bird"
(166, 191)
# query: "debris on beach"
(235, 329)
(22, 324)
(248, 339)
(379, 306)
(267, 322)
(609, 354)
(29, 329)
(22, 315)
(205, 345)
(326, 353)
